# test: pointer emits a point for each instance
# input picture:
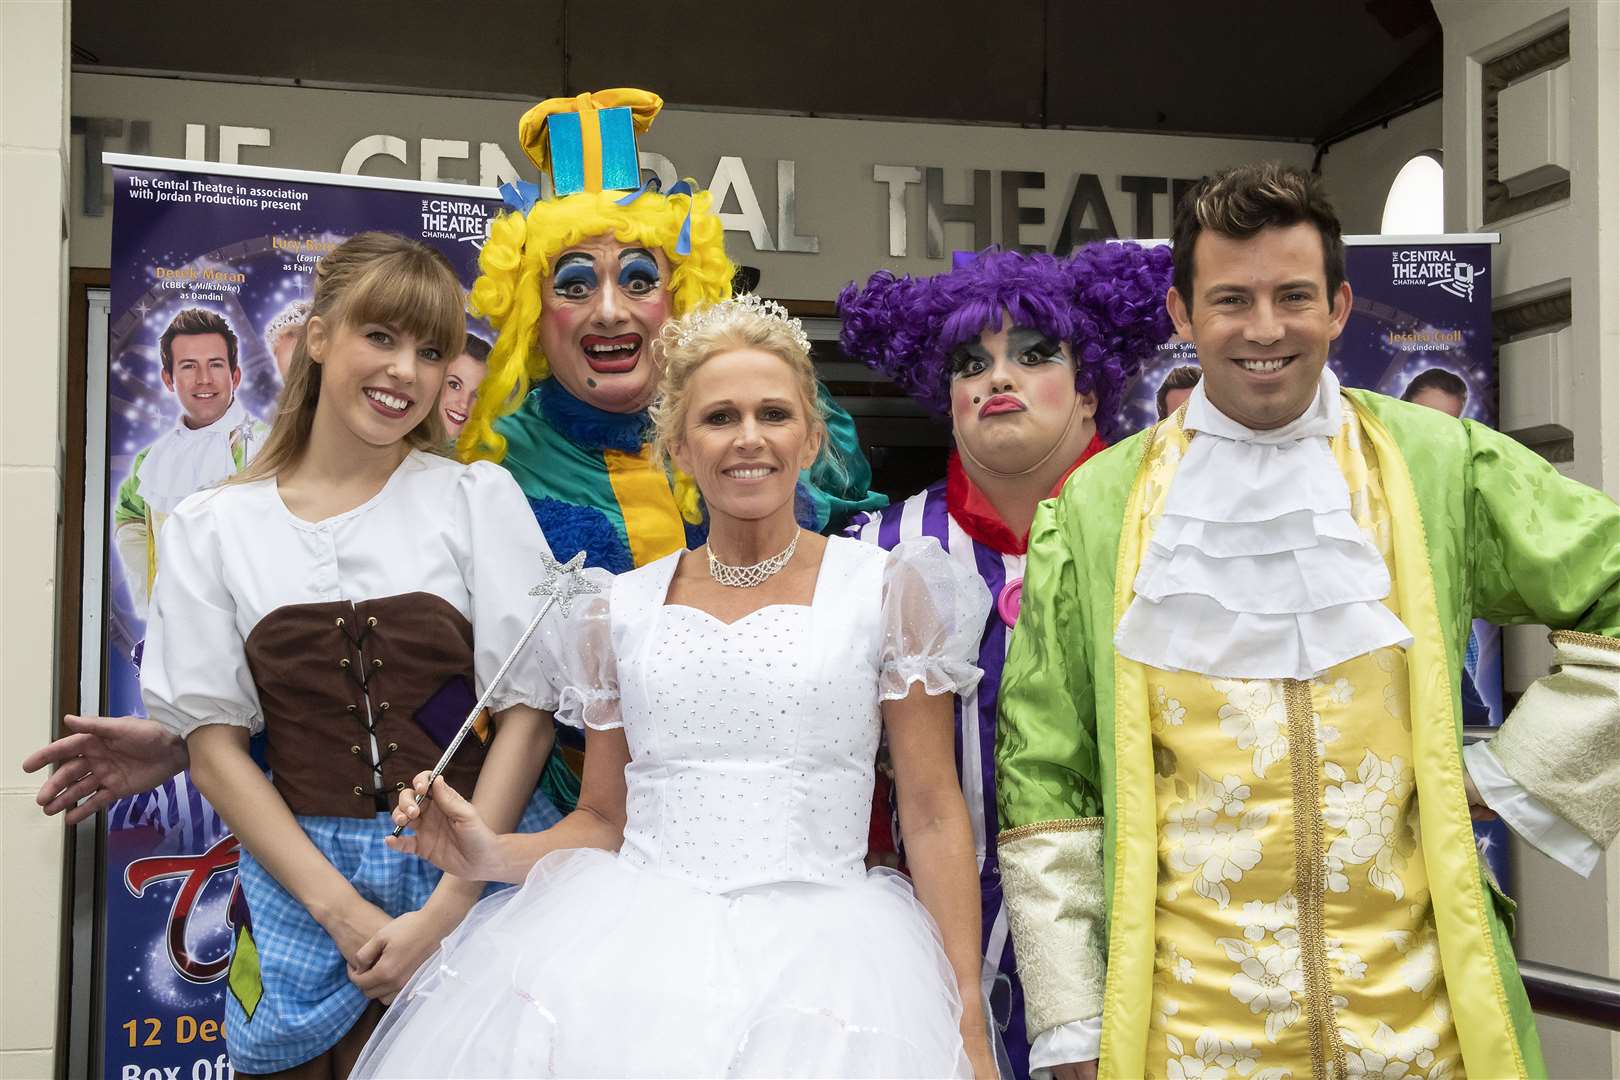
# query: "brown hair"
(1184, 377)
(1437, 379)
(196, 321)
(1240, 201)
(372, 277)
(476, 347)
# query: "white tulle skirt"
(595, 968)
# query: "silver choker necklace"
(746, 577)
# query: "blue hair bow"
(520, 195)
(683, 242)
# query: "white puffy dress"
(737, 932)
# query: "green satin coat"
(1483, 528)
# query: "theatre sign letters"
(812, 201)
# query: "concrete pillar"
(1532, 150)
(34, 159)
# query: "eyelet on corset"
(343, 663)
(358, 790)
(372, 621)
(355, 749)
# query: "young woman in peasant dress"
(347, 597)
(707, 910)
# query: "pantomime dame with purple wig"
(1028, 355)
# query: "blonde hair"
(372, 277)
(518, 256)
(687, 343)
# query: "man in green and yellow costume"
(1234, 800)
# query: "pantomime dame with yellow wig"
(578, 285)
(1234, 800)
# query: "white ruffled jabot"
(186, 460)
(1257, 569)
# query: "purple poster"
(211, 274)
(1421, 314)
(1419, 329)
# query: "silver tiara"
(294, 314)
(704, 319)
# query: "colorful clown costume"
(595, 486)
(1096, 312)
(956, 514)
(602, 263)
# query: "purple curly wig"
(1106, 300)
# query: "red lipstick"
(1001, 403)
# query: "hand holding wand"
(560, 585)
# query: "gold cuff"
(1562, 743)
(1577, 637)
(1052, 877)
(1036, 828)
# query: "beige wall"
(1359, 170)
(838, 200)
(33, 268)
(1572, 244)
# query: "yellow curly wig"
(518, 255)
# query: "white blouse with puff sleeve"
(442, 548)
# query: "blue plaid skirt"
(298, 1001)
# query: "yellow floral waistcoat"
(1294, 934)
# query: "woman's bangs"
(414, 295)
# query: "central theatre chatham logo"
(1435, 267)
(460, 220)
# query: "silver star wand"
(560, 585)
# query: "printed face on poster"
(212, 276)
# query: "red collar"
(978, 518)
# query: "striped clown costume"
(1093, 314)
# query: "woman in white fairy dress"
(707, 910)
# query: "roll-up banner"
(211, 276)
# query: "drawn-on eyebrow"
(1022, 338)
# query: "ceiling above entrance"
(1295, 69)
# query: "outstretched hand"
(446, 831)
(105, 758)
